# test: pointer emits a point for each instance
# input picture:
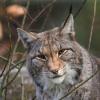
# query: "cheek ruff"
(58, 79)
(70, 75)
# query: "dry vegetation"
(15, 83)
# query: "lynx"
(57, 62)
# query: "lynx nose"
(54, 71)
(54, 64)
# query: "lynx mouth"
(57, 79)
(57, 76)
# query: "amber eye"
(62, 51)
(42, 57)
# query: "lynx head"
(53, 55)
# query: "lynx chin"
(57, 62)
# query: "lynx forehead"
(57, 62)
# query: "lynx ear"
(26, 38)
(68, 26)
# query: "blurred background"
(37, 16)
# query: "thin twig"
(9, 63)
(24, 18)
(40, 13)
(15, 66)
(6, 76)
(4, 87)
(5, 67)
(23, 22)
(81, 7)
(22, 86)
(71, 11)
(78, 86)
(5, 59)
(12, 64)
(14, 21)
(92, 26)
(47, 16)
(12, 78)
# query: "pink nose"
(54, 64)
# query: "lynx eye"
(62, 51)
(41, 57)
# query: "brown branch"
(5, 59)
(12, 79)
(6, 81)
(4, 87)
(78, 86)
(40, 13)
(11, 68)
(47, 16)
(23, 22)
(8, 65)
(92, 26)
(24, 18)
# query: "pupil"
(61, 51)
(41, 56)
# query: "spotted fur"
(57, 62)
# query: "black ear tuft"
(70, 10)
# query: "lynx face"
(53, 54)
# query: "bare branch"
(79, 85)
(40, 13)
(92, 26)
(47, 16)
(12, 78)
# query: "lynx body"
(57, 62)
